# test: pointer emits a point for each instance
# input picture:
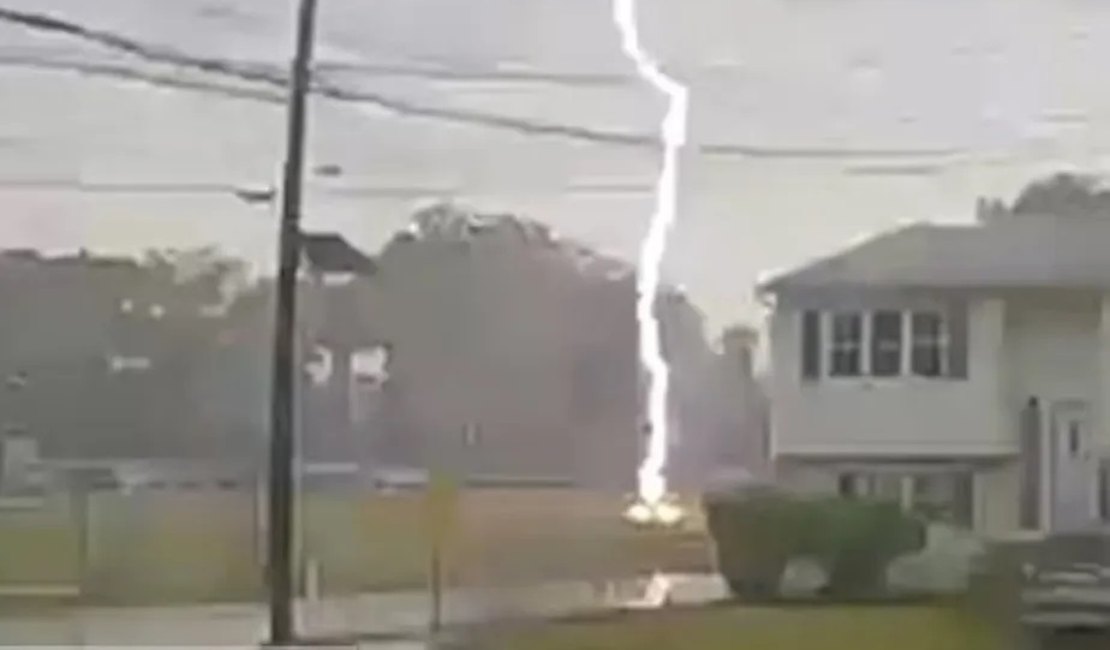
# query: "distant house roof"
(1010, 252)
(331, 253)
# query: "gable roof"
(1010, 252)
(331, 253)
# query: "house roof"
(1009, 252)
(331, 253)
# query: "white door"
(1073, 468)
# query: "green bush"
(856, 540)
(758, 532)
(755, 535)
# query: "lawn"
(823, 627)
(160, 547)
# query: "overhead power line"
(131, 73)
(254, 194)
(475, 76)
(251, 194)
(268, 75)
(33, 184)
(401, 69)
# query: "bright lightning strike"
(652, 478)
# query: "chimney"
(988, 210)
(739, 346)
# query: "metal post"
(81, 498)
(435, 570)
(280, 565)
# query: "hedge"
(758, 532)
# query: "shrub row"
(758, 532)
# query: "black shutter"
(811, 344)
(1029, 491)
(1104, 490)
(957, 341)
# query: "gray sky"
(952, 98)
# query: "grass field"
(159, 547)
(793, 628)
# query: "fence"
(204, 545)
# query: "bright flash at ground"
(664, 513)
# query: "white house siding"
(809, 478)
(892, 417)
(1052, 348)
(1054, 354)
(996, 499)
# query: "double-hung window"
(846, 344)
(886, 343)
(929, 344)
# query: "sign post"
(441, 506)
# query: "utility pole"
(280, 569)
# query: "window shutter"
(957, 341)
(1029, 490)
(1104, 490)
(811, 344)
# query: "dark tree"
(1064, 194)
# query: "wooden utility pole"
(280, 566)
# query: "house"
(723, 403)
(506, 356)
(960, 370)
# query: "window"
(877, 486)
(1073, 439)
(886, 486)
(852, 486)
(121, 363)
(937, 495)
(945, 496)
(929, 344)
(471, 435)
(886, 343)
(846, 344)
(845, 487)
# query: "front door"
(1073, 475)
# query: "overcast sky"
(839, 117)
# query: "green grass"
(792, 628)
(37, 547)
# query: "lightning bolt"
(652, 477)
